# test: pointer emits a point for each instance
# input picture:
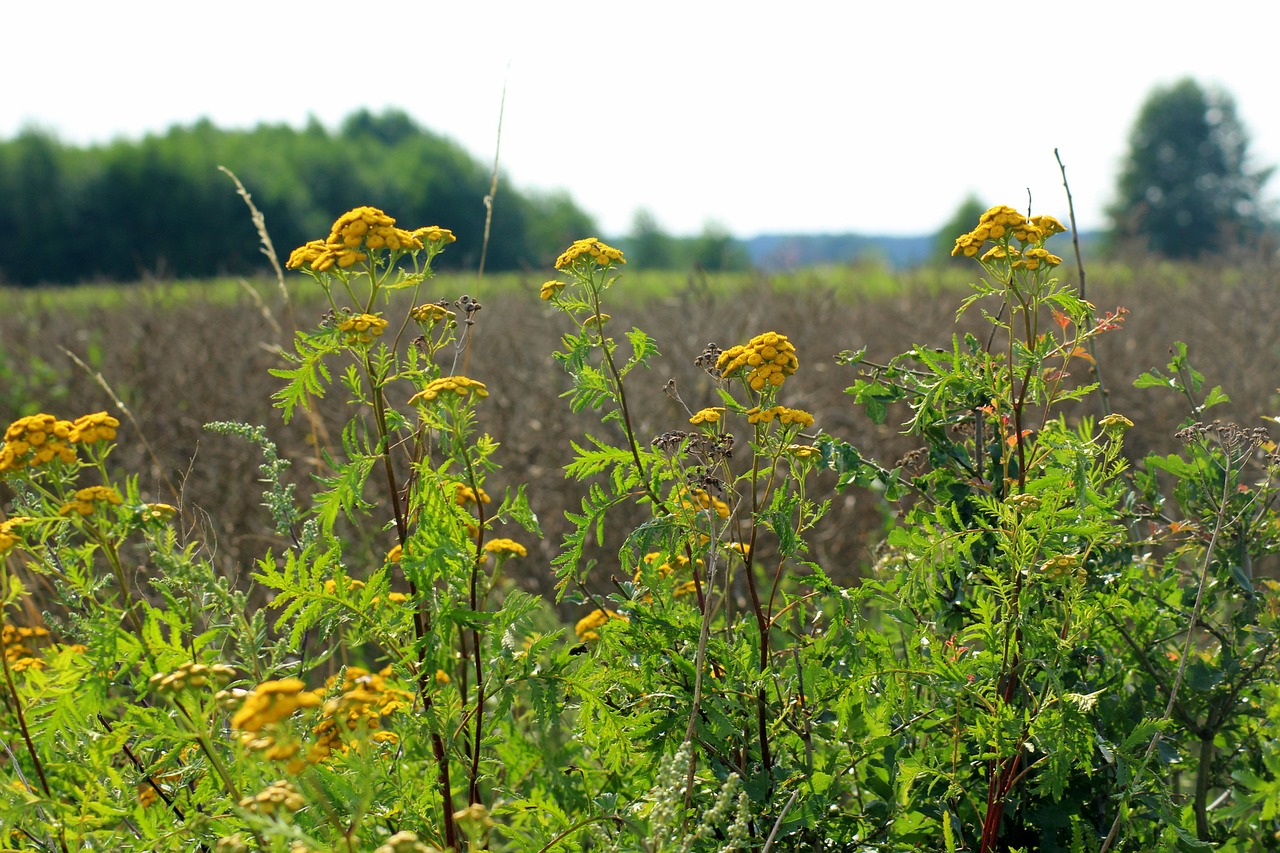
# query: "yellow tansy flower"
(707, 416)
(505, 547)
(587, 625)
(599, 253)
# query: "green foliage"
(1187, 187)
(1056, 649)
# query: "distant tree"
(648, 246)
(961, 222)
(715, 250)
(160, 206)
(1187, 187)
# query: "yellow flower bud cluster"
(191, 674)
(36, 440)
(405, 842)
(279, 795)
(1115, 424)
(157, 513)
(699, 500)
(1000, 222)
(366, 697)
(8, 532)
(17, 652)
(460, 385)
(430, 314)
(396, 554)
(1063, 565)
(434, 234)
(707, 416)
(802, 451)
(550, 288)
(508, 547)
(361, 329)
(599, 253)
(770, 357)
(234, 843)
(587, 625)
(88, 429)
(785, 416)
(1032, 259)
(88, 499)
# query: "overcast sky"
(762, 117)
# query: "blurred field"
(180, 355)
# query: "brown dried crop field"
(181, 356)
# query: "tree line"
(159, 206)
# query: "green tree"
(649, 246)
(1187, 187)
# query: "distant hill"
(780, 252)
(776, 252)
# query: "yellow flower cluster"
(685, 588)
(8, 534)
(550, 288)
(365, 699)
(276, 796)
(270, 702)
(361, 329)
(460, 385)
(88, 429)
(396, 554)
(802, 451)
(405, 841)
(430, 314)
(785, 416)
(600, 253)
(667, 568)
(771, 357)
(699, 500)
(508, 547)
(1000, 222)
(587, 625)
(464, 494)
(35, 440)
(17, 652)
(88, 498)
(434, 234)
(1033, 258)
(707, 416)
(191, 674)
(363, 227)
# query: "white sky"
(794, 116)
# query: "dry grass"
(179, 360)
